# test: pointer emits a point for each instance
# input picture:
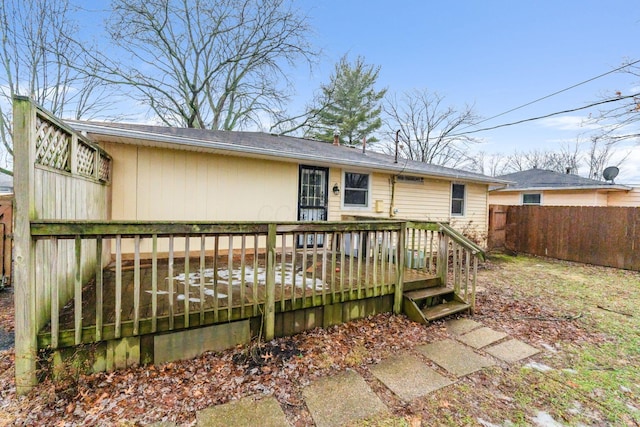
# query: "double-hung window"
(356, 189)
(457, 199)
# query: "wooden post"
(443, 258)
(397, 295)
(77, 292)
(270, 303)
(473, 286)
(26, 329)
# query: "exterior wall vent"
(411, 179)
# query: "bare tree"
(428, 128)
(621, 122)
(218, 64)
(600, 155)
(566, 158)
(494, 164)
(38, 60)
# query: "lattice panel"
(86, 159)
(52, 145)
(104, 169)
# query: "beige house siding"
(553, 198)
(174, 185)
(380, 190)
(625, 198)
(505, 198)
(429, 200)
(475, 221)
(574, 198)
(162, 184)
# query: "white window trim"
(342, 192)
(464, 200)
(530, 204)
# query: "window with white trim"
(531, 198)
(457, 199)
(356, 189)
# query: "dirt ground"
(585, 319)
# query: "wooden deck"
(301, 282)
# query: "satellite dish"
(610, 173)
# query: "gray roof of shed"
(274, 147)
(541, 179)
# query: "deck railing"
(180, 275)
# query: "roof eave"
(131, 136)
(607, 187)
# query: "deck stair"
(427, 300)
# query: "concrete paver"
(346, 397)
(512, 351)
(408, 377)
(482, 337)
(338, 400)
(456, 358)
(461, 326)
(244, 412)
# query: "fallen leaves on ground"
(280, 368)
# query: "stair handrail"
(462, 240)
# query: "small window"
(531, 199)
(356, 189)
(457, 199)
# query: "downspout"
(392, 206)
(394, 179)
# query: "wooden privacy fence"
(608, 236)
(58, 175)
(497, 227)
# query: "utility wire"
(555, 93)
(545, 116)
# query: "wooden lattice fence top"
(52, 145)
(85, 156)
(104, 169)
(54, 150)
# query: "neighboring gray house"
(549, 188)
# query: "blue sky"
(495, 55)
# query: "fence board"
(608, 236)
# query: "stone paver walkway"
(408, 377)
(335, 401)
(346, 397)
(455, 357)
(481, 337)
(244, 412)
(512, 351)
(461, 326)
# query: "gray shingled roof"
(264, 145)
(541, 179)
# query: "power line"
(555, 93)
(545, 116)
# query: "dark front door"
(312, 198)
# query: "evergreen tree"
(351, 105)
